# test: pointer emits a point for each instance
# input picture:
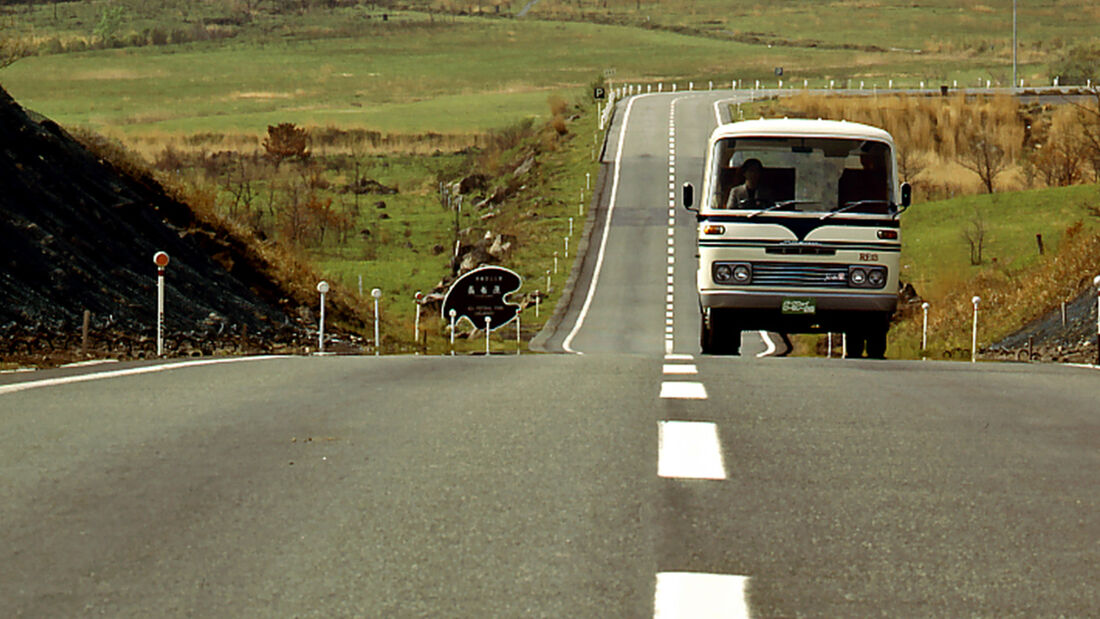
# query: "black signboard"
(482, 293)
(598, 92)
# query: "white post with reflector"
(416, 325)
(488, 329)
(1096, 282)
(924, 332)
(452, 315)
(974, 335)
(161, 260)
(323, 288)
(377, 294)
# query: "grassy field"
(420, 71)
(473, 75)
(1016, 283)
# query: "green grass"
(934, 251)
(467, 75)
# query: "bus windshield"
(811, 174)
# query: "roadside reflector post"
(566, 246)
(924, 332)
(416, 325)
(536, 304)
(519, 341)
(161, 260)
(570, 227)
(1096, 282)
(322, 287)
(830, 346)
(548, 281)
(452, 315)
(488, 330)
(84, 331)
(974, 335)
(555, 263)
(377, 294)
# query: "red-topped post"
(161, 260)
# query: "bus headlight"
(732, 273)
(742, 274)
(857, 277)
(876, 278)
(866, 277)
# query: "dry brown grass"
(1009, 299)
(935, 130)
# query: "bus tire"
(876, 343)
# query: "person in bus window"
(751, 193)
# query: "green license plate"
(799, 306)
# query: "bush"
(1079, 65)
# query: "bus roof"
(800, 127)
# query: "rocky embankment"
(78, 235)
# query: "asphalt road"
(621, 482)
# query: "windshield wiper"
(779, 205)
(851, 205)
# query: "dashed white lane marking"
(679, 369)
(678, 357)
(65, 380)
(683, 391)
(700, 596)
(670, 289)
(689, 449)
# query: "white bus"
(798, 232)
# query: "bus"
(798, 232)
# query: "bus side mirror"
(906, 195)
(689, 197)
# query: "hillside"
(78, 234)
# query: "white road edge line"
(700, 595)
(567, 343)
(689, 450)
(65, 380)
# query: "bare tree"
(980, 153)
(1088, 117)
(910, 162)
(974, 234)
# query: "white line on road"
(767, 342)
(678, 357)
(689, 450)
(678, 368)
(566, 345)
(65, 380)
(698, 596)
(683, 391)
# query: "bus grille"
(800, 274)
